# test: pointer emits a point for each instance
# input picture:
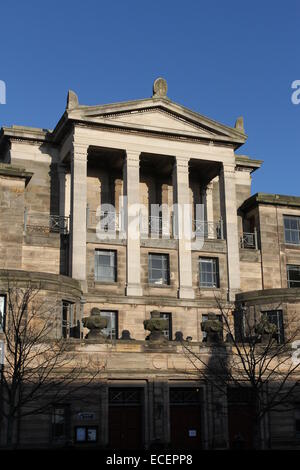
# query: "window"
(59, 421)
(208, 272)
(159, 269)
(70, 324)
(168, 332)
(291, 229)
(2, 312)
(105, 266)
(293, 275)
(276, 317)
(297, 421)
(111, 331)
(205, 318)
(86, 434)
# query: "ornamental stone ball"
(213, 329)
(160, 88)
(95, 323)
(265, 329)
(156, 325)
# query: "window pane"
(111, 330)
(2, 312)
(276, 317)
(292, 229)
(293, 275)
(105, 265)
(158, 268)
(208, 272)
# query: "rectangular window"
(2, 312)
(105, 265)
(276, 317)
(168, 332)
(205, 318)
(293, 275)
(86, 434)
(111, 331)
(159, 269)
(291, 229)
(59, 420)
(70, 324)
(208, 272)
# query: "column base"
(186, 293)
(134, 290)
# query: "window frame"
(279, 323)
(290, 230)
(214, 272)
(113, 256)
(166, 271)
(116, 313)
(169, 332)
(289, 281)
(69, 325)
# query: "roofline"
(270, 199)
(247, 162)
(15, 172)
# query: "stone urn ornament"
(95, 323)
(213, 329)
(156, 325)
(265, 329)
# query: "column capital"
(228, 168)
(181, 162)
(79, 152)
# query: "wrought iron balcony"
(208, 230)
(249, 240)
(44, 223)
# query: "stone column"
(131, 178)
(78, 211)
(229, 215)
(182, 224)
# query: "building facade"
(64, 223)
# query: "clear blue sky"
(222, 59)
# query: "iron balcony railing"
(42, 222)
(105, 221)
(249, 240)
(208, 230)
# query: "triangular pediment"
(157, 116)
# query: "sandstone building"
(53, 184)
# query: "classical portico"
(160, 128)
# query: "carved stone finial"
(160, 88)
(239, 124)
(72, 100)
(265, 329)
(95, 323)
(156, 325)
(213, 329)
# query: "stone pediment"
(156, 115)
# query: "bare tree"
(41, 368)
(248, 352)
